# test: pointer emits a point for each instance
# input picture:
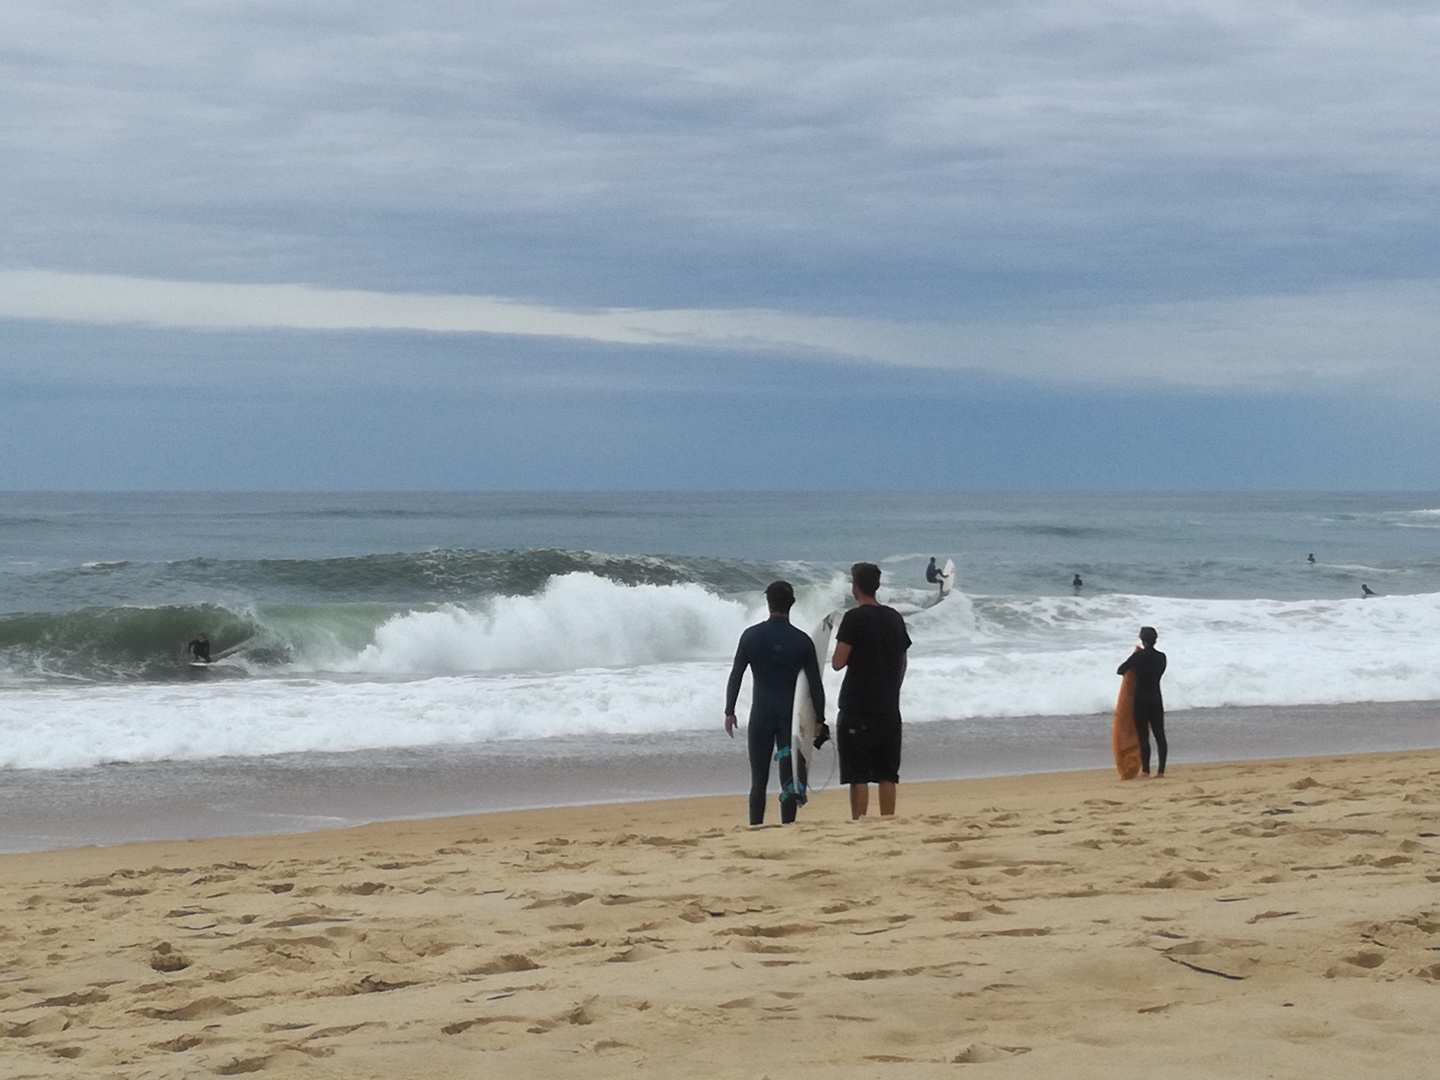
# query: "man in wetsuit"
(775, 652)
(934, 576)
(200, 648)
(1148, 663)
(870, 648)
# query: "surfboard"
(1124, 740)
(803, 719)
(949, 574)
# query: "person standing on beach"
(870, 648)
(1148, 663)
(776, 653)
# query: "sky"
(463, 245)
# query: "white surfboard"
(949, 577)
(803, 719)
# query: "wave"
(400, 577)
(589, 656)
(578, 621)
(573, 621)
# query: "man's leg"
(887, 798)
(1142, 731)
(859, 800)
(788, 802)
(760, 741)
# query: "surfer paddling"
(1148, 663)
(870, 649)
(776, 653)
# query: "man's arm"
(817, 687)
(732, 688)
(842, 647)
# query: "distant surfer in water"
(870, 649)
(1148, 663)
(1076, 583)
(935, 576)
(1310, 558)
(200, 648)
(1366, 591)
(775, 652)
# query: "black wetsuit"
(932, 573)
(1148, 665)
(200, 649)
(776, 652)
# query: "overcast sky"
(274, 244)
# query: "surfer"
(870, 648)
(1076, 583)
(1366, 591)
(1148, 664)
(775, 652)
(1310, 558)
(200, 648)
(935, 576)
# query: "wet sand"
(1276, 919)
(179, 800)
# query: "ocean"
(388, 655)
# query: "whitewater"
(479, 651)
(586, 655)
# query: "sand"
(1271, 919)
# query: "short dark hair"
(866, 577)
(780, 595)
(1148, 635)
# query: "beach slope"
(1276, 919)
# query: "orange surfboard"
(1123, 739)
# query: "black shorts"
(869, 748)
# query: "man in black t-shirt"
(870, 648)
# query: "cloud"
(1378, 338)
(910, 158)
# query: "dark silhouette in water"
(1366, 591)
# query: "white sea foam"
(577, 621)
(589, 656)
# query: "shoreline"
(1039, 923)
(44, 810)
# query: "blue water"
(452, 624)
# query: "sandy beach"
(1268, 919)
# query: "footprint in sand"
(505, 964)
(984, 1053)
(206, 1008)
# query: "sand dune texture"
(1275, 919)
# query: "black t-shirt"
(878, 640)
